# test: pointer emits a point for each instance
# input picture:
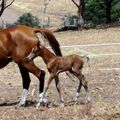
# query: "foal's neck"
(46, 55)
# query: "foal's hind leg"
(85, 85)
(57, 82)
(78, 90)
(73, 71)
(82, 82)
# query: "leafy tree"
(100, 11)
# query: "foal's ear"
(40, 47)
(38, 44)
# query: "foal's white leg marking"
(88, 97)
(40, 95)
(61, 98)
(44, 99)
(23, 97)
(41, 99)
(77, 95)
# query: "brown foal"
(57, 64)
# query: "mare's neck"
(46, 55)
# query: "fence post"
(48, 22)
(2, 24)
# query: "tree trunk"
(108, 12)
(81, 11)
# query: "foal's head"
(36, 51)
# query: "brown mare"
(15, 44)
(57, 64)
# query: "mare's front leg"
(57, 83)
(25, 68)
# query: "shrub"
(28, 19)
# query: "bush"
(28, 19)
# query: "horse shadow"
(16, 103)
(49, 104)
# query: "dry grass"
(103, 85)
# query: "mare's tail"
(51, 39)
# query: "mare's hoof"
(20, 105)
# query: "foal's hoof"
(41, 103)
(62, 105)
(37, 106)
(88, 99)
(76, 97)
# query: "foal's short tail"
(87, 59)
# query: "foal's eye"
(35, 50)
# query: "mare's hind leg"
(57, 83)
(40, 74)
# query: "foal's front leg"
(45, 89)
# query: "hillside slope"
(55, 10)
